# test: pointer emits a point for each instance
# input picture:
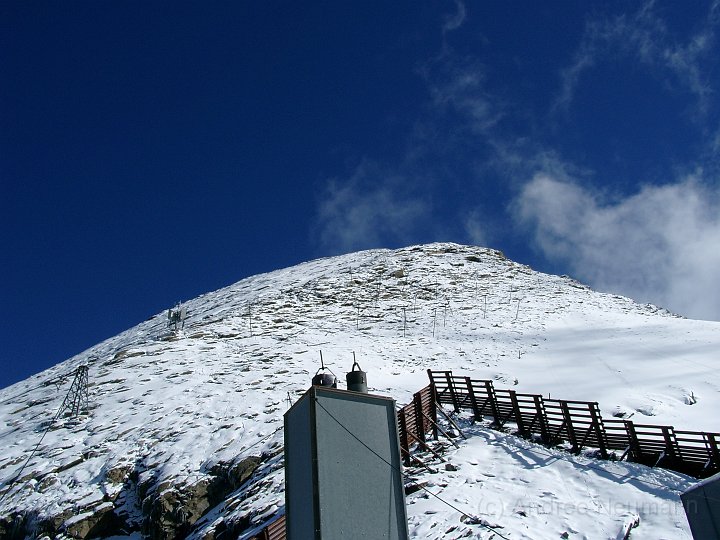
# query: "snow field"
(169, 408)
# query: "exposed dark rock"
(173, 511)
(13, 526)
(169, 511)
(98, 522)
(20, 525)
(119, 474)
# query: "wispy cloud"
(476, 228)
(380, 204)
(660, 245)
(455, 21)
(458, 85)
(645, 37)
(371, 208)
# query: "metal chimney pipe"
(356, 380)
(327, 380)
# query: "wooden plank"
(439, 380)
(516, 412)
(556, 421)
(477, 413)
(462, 397)
(404, 442)
(569, 426)
(529, 414)
(451, 386)
(714, 461)
(449, 438)
(433, 414)
(672, 452)
(635, 450)
(449, 419)
(542, 417)
(429, 448)
(504, 407)
(490, 398)
(417, 411)
(277, 530)
(598, 428)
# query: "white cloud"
(644, 36)
(476, 228)
(368, 209)
(379, 204)
(661, 245)
(458, 84)
(455, 21)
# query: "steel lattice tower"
(76, 399)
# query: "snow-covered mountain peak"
(183, 438)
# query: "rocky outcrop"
(172, 512)
(167, 511)
(96, 522)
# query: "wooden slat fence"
(579, 424)
(275, 530)
(416, 421)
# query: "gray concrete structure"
(343, 475)
(702, 506)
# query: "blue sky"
(150, 152)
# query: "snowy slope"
(174, 419)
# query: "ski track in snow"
(171, 407)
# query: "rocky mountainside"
(182, 436)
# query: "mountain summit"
(181, 436)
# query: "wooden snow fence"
(416, 421)
(580, 425)
(275, 530)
